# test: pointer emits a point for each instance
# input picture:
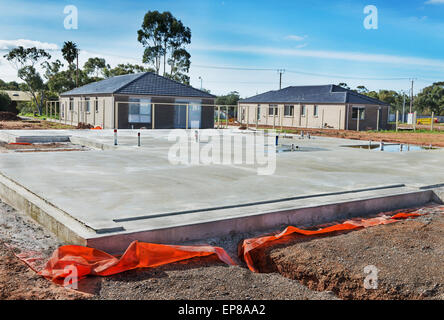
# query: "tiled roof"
(146, 83)
(313, 94)
(18, 95)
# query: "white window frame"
(275, 107)
(290, 108)
(87, 104)
(362, 114)
(137, 117)
(316, 111)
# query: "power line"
(232, 68)
(297, 72)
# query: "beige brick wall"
(330, 115)
(103, 117)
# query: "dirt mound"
(407, 256)
(82, 125)
(8, 116)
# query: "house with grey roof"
(143, 100)
(323, 106)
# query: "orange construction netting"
(247, 246)
(21, 143)
(88, 261)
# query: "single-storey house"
(143, 100)
(324, 106)
(18, 96)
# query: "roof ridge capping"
(167, 79)
(365, 97)
(141, 74)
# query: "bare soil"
(409, 256)
(194, 279)
(33, 125)
(40, 147)
(419, 138)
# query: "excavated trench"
(407, 255)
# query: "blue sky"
(316, 42)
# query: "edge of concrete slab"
(65, 227)
(10, 137)
(306, 216)
(70, 230)
(92, 144)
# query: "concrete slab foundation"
(113, 195)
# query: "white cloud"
(10, 44)
(295, 37)
(332, 55)
(9, 73)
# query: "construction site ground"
(435, 138)
(32, 125)
(407, 254)
(197, 279)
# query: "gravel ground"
(409, 256)
(195, 279)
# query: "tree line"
(430, 99)
(163, 37)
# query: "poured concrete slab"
(135, 192)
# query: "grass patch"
(42, 117)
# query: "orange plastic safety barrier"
(97, 128)
(249, 245)
(77, 262)
(21, 143)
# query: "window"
(315, 111)
(194, 114)
(139, 111)
(288, 111)
(71, 104)
(271, 109)
(258, 112)
(96, 105)
(303, 111)
(361, 113)
(87, 105)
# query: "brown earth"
(18, 282)
(8, 116)
(409, 256)
(32, 125)
(40, 147)
(194, 279)
(419, 138)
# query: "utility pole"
(281, 72)
(403, 106)
(77, 69)
(411, 96)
